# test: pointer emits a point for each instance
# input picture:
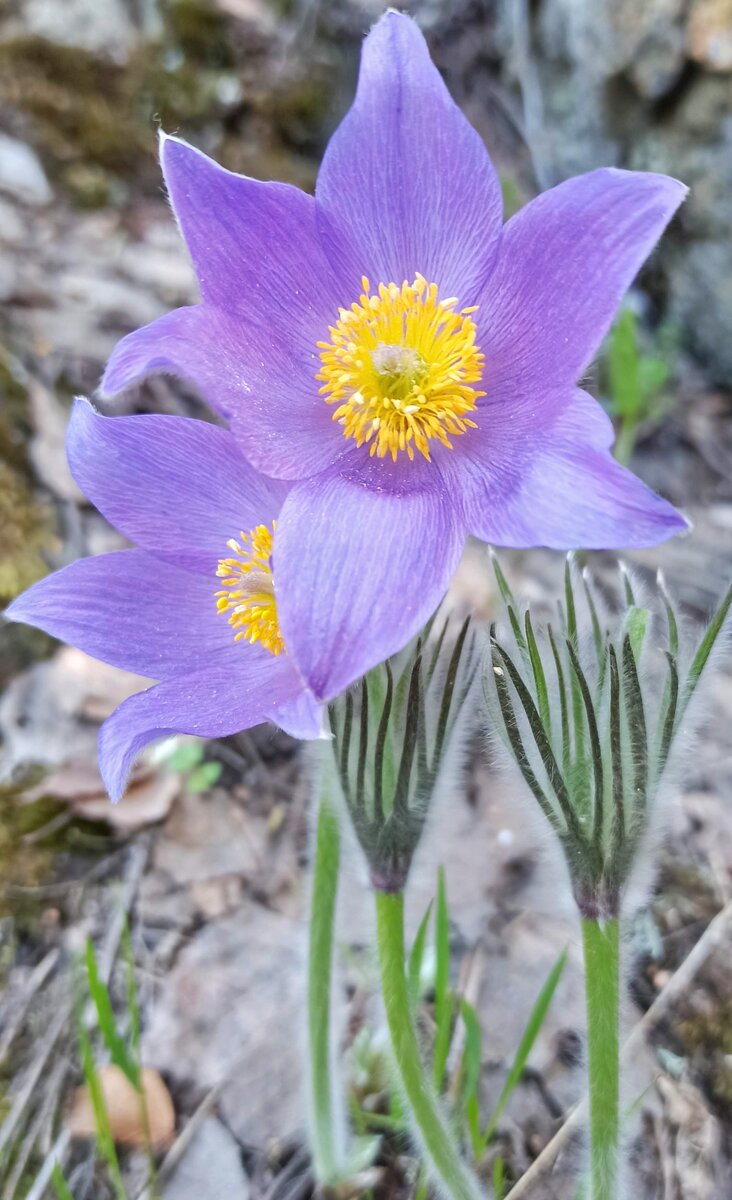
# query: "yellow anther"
(400, 367)
(248, 592)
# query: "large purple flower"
(193, 605)
(410, 363)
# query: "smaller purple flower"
(193, 604)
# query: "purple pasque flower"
(193, 604)
(410, 363)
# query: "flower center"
(400, 365)
(247, 595)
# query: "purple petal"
(178, 488)
(254, 245)
(406, 176)
(302, 717)
(358, 571)
(213, 702)
(131, 611)
(266, 390)
(564, 263)
(562, 489)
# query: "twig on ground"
(34, 983)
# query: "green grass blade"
(116, 1045)
(535, 1022)
(60, 1186)
(105, 1141)
(416, 958)
(499, 1178)
(133, 1007)
(443, 995)
(470, 1069)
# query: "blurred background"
(194, 886)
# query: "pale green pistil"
(398, 369)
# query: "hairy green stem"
(326, 1131)
(601, 945)
(439, 1148)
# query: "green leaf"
(186, 756)
(598, 774)
(514, 736)
(563, 705)
(706, 646)
(205, 777)
(537, 667)
(416, 958)
(117, 1047)
(60, 1185)
(535, 1022)
(652, 375)
(673, 625)
(578, 720)
(623, 368)
(637, 626)
(443, 995)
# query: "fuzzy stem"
(601, 945)
(325, 1125)
(440, 1150)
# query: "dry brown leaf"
(148, 800)
(125, 1110)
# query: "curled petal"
(212, 702)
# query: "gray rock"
(21, 174)
(102, 26)
(231, 1013)
(211, 1167)
(647, 86)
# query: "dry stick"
(35, 982)
(55, 1156)
(41, 1121)
(712, 937)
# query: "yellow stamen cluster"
(400, 365)
(248, 592)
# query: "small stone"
(210, 1167)
(709, 34)
(21, 174)
(102, 26)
